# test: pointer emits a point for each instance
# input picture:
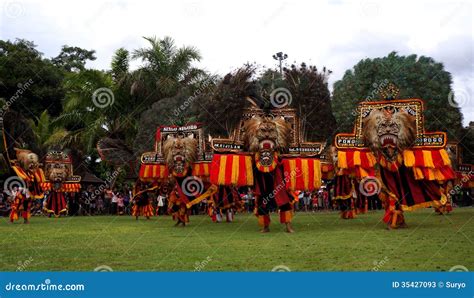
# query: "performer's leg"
(286, 215)
(13, 213)
(347, 208)
(26, 213)
(394, 215)
(263, 214)
(229, 215)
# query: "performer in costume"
(179, 160)
(266, 138)
(27, 168)
(60, 180)
(225, 202)
(21, 205)
(267, 153)
(141, 201)
(413, 164)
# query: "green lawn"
(322, 242)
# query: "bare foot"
(289, 229)
(265, 230)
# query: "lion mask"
(266, 136)
(389, 132)
(58, 172)
(180, 152)
(28, 160)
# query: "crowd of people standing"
(102, 200)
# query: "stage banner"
(279, 283)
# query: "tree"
(120, 65)
(305, 89)
(311, 98)
(28, 82)
(46, 134)
(166, 69)
(86, 116)
(467, 144)
(416, 77)
(221, 106)
(73, 59)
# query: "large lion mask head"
(389, 132)
(180, 152)
(266, 136)
(28, 160)
(58, 172)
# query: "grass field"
(322, 242)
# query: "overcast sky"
(335, 34)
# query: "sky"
(335, 34)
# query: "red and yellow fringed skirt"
(146, 210)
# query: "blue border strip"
(237, 284)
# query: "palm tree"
(46, 134)
(166, 69)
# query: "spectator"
(306, 200)
(314, 201)
(160, 206)
(100, 204)
(251, 200)
(108, 200)
(114, 201)
(120, 204)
